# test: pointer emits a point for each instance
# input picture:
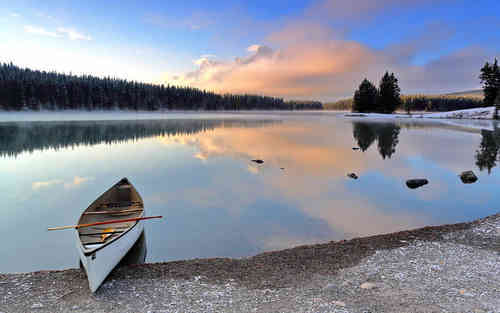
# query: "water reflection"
(16, 138)
(486, 156)
(217, 203)
(386, 135)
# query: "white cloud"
(61, 32)
(73, 34)
(42, 14)
(13, 14)
(40, 31)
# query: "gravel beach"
(448, 268)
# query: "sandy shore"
(448, 268)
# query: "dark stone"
(355, 148)
(468, 177)
(415, 183)
(352, 175)
(282, 168)
(258, 161)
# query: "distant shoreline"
(486, 113)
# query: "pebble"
(339, 303)
(331, 286)
(368, 285)
(37, 306)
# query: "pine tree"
(490, 79)
(389, 94)
(365, 98)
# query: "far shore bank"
(486, 113)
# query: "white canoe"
(102, 247)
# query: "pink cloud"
(309, 59)
(303, 66)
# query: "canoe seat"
(120, 204)
(89, 239)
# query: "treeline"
(304, 105)
(420, 103)
(16, 138)
(386, 99)
(25, 89)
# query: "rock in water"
(258, 161)
(415, 183)
(352, 175)
(468, 177)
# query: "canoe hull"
(100, 263)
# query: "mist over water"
(196, 171)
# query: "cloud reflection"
(73, 183)
(44, 184)
(313, 180)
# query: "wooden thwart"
(113, 212)
(120, 204)
(105, 223)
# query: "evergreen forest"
(26, 89)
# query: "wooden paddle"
(104, 223)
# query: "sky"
(316, 49)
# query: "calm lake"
(196, 171)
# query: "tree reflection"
(486, 156)
(386, 135)
(364, 135)
(16, 138)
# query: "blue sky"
(294, 49)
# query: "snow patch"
(477, 113)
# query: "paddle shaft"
(104, 223)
